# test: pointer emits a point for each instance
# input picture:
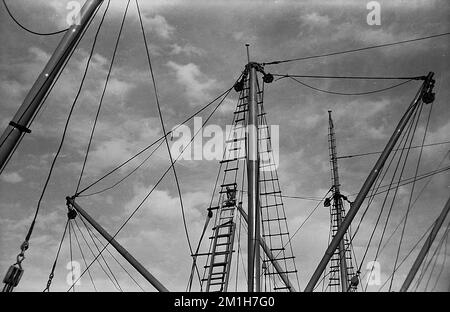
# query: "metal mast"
(426, 247)
(33, 101)
(424, 94)
(254, 270)
(131, 260)
(337, 214)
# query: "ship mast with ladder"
(243, 174)
(341, 271)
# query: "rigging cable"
(281, 76)
(157, 183)
(356, 50)
(183, 213)
(439, 249)
(92, 252)
(415, 201)
(408, 254)
(29, 30)
(112, 256)
(150, 145)
(127, 175)
(52, 273)
(84, 258)
(350, 94)
(426, 266)
(401, 174)
(379, 152)
(104, 90)
(25, 244)
(71, 257)
(443, 264)
(380, 177)
(58, 74)
(412, 190)
(405, 137)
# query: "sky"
(198, 51)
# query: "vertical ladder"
(274, 228)
(219, 256)
(222, 247)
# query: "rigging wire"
(127, 175)
(112, 256)
(114, 279)
(379, 152)
(413, 186)
(357, 50)
(103, 91)
(444, 238)
(183, 213)
(52, 272)
(437, 249)
(350, 94)
(380, 177)
(92, 252)
(58, 74)
(415, 201)
(30, 230)
(84, 258)
(156, 184)
(152, 144)
(443, 265)
(408, 254)
(281, 76)
(410, 180)
(71, 257)
(404, 141)
(29, 30)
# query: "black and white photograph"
(242, 148)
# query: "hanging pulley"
(429, 96)
(15, 271)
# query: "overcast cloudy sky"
(197, 49)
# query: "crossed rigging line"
(30, 230)
(157, 183)
(28, 29)
(347, 93)
(162, 122)
(356, 50)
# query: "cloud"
(159, 25)
(197, 85)
(187, 49)
(316, 19)
(12, 177)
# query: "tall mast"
(337, 212)
(33, 101)
(253, 184)
(426, 247)
(424, 94)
